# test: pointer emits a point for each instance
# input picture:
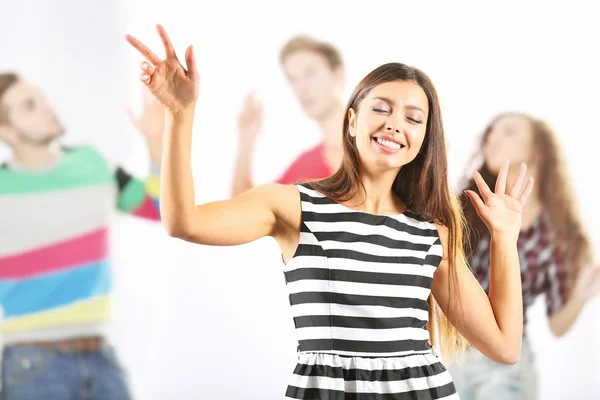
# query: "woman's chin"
(386, 165)
(494, 166)
(378, 164)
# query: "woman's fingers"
(477, 202)
(526, 192)
(518, 183)
(143, 49)
(169, 49)
(190, 62)
(501, 180)
(147, 68)
(147, 72)
(484, 189)
(145, 78)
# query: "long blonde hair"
(422, 185)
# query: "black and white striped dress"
(358, 286)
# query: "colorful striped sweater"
(55, 279)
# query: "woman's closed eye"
(380, 110)
(384, 110)
(415, 120)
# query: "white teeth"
(387, 143)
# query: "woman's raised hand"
(174, 86)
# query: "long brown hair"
(555, 194)
(422, 185)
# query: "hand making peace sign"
(173, 86)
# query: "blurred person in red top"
(315, 71)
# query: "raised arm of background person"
(249, 125)
(562, 315)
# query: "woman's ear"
(352, 122)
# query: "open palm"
(501, 211)
(173, 86)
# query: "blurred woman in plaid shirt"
(554, 249)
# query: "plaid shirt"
(542, 266)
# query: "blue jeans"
(479, 378)
(51, 374)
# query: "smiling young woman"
(373, 258)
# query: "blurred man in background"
(316, 73)
(55, 280)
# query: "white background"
(202, 322)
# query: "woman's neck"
(377, 197)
